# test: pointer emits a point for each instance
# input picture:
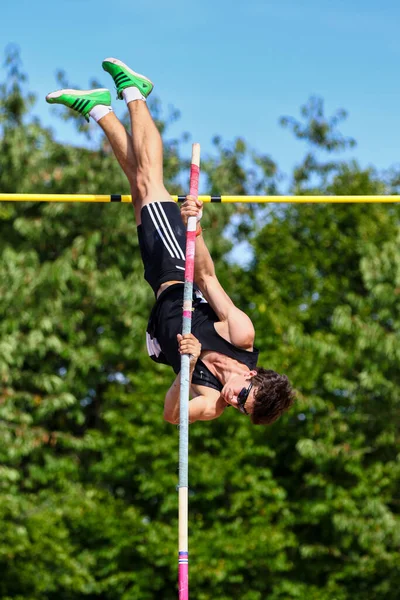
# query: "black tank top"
(166, 322)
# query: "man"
(223, 359)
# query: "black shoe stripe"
(75, 104)
(121, 79)
(84, 106)
(119, 75)
(79, 105)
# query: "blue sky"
(232, 68)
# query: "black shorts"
(162, 241)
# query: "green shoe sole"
(124, 77)
(80, 100)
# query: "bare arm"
(201, 408)
(204, 407)
(171, 402)
(235, 323)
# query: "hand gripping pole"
(183, 561)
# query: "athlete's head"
(262, 394)
(273, 395)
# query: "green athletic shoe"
(80, 100)
(124, 77)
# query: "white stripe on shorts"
(159, 230)
(164, 217)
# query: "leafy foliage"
(307, 509)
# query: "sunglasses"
(242, 399)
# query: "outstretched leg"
(148, 155)
(162, 234)
(97, 104)
(160, 228)
(140, 155)
(121, 144)
(146, 139)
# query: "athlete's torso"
(166, 322)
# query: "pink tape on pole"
(190, 250)
(183, 576)
(194, 180)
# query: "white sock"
(132, 93)
(99, 111)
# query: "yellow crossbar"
(216, 199)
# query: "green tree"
(325, 288)
(306, 509)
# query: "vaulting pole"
(183, 561)
(217, 199)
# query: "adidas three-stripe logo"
(164, 230)
(121, 78)
(80, 104)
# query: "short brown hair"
(273, 395)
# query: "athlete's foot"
(124, 77)
(80, 100)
